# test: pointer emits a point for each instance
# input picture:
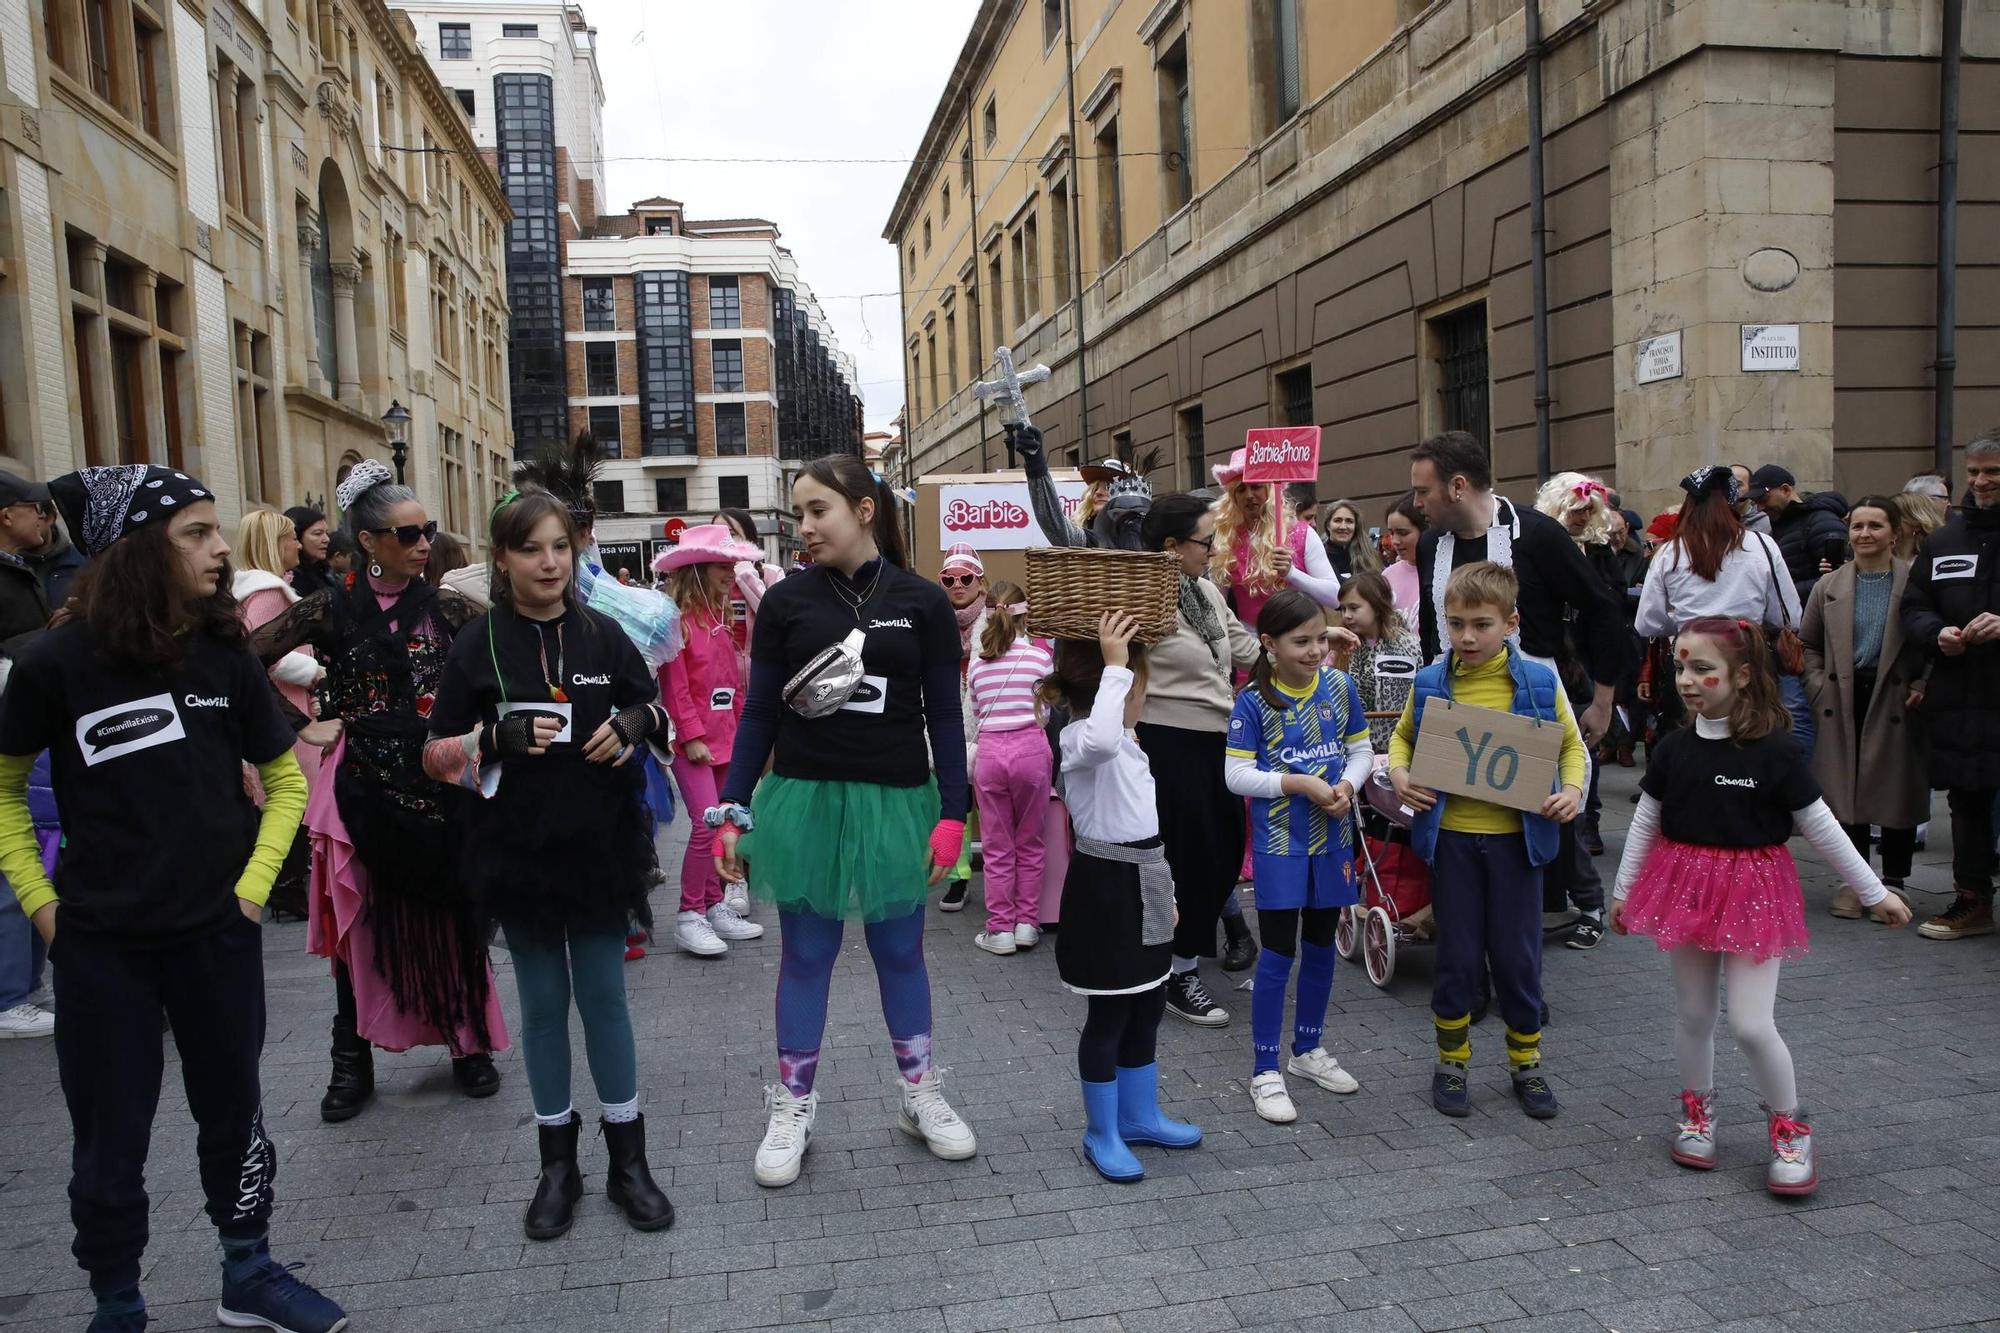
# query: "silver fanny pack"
(827, 682)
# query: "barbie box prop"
(1281, 454)
(1486, 754)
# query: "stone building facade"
(218, 255)
(1280, 212)
(700, 360)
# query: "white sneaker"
(722, 919)
(24, 1020)
(694, 935)
(1323, 1069)
(1270, 1100)
(786, 1136)
(736, 897)
(997, 941)
(928, 1116)
(1027, 936)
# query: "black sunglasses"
(409, 534)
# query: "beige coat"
(1887, 784)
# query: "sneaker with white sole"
(1027, 936)
(995, 941)
(1188, 1000)
(722, 919)
(786, 1136)
(1320, 1067)
(694, 935)
(736, 896)
(24, 1020)
(1270, 1100)
(926, 1115)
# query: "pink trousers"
(1010, 783)
(701, 887)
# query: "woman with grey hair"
(386, 905)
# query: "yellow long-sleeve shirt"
(1488, 685)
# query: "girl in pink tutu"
(1707, 875)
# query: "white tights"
(1753, 998)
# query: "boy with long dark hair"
(150, 703)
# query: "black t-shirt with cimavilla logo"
(1718, 793)
(147, 764)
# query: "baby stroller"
(1394, 909)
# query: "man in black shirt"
(1560, 593)
(24, 525)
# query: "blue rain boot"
(1102, 1146)
(1139, 1118)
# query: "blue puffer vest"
(1534, 696)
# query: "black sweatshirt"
(1554, 574)
(911, 660)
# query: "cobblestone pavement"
(1371, 1212)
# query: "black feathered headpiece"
(569, 474)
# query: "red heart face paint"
(1684, 653)
(1702, 676)
(1710, 682)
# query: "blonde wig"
(1243, 521)
(1567, 492)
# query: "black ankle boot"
(1241, 950)
(554, 1206)
(476, 1075)
(353, 1080)
(628, 1181)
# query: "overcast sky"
(784, 79)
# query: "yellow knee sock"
(1454, 1037)
(1524, 1049)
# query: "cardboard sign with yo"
(1487, 754)
(1281, 454)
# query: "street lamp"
(397, 422)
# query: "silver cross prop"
(1006, 388)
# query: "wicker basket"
(1071, 587)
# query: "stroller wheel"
(1378, 947)
(1347, 934)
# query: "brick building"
(1268, 212)
(701, 361)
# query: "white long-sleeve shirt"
(1107, 783)
(1815, 823)
(1751, 585)
(1318, 579)
(1244, 778)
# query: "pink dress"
(702, 691)
(337, 927)
(1250, 602)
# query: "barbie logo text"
(1279, 453)
(967, 514)
(1282, 454)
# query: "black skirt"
(1201, 823)
(562, 845)
(1098, 950)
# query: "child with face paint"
(1707, 875)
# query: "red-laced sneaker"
(1695, 1144)
(1793, 1170)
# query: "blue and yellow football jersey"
(1310, 736)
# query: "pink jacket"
(702, 687)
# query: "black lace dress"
(388, 899)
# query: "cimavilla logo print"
(126, 728)
(1722, 781)
(901, 622)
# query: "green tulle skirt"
(841, 849)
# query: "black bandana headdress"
(101, 504)
(1710, 480)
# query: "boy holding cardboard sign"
(1501, 764)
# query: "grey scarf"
(1199, 613)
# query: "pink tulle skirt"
(1743, 900)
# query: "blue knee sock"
(1267, 1008)
(1315, 990)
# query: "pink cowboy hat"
(705, 544)
(1228, 474)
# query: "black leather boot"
(353, 1080)
(476, 1075)
(553, 1208)
(1241, 950)
(628, 1181)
